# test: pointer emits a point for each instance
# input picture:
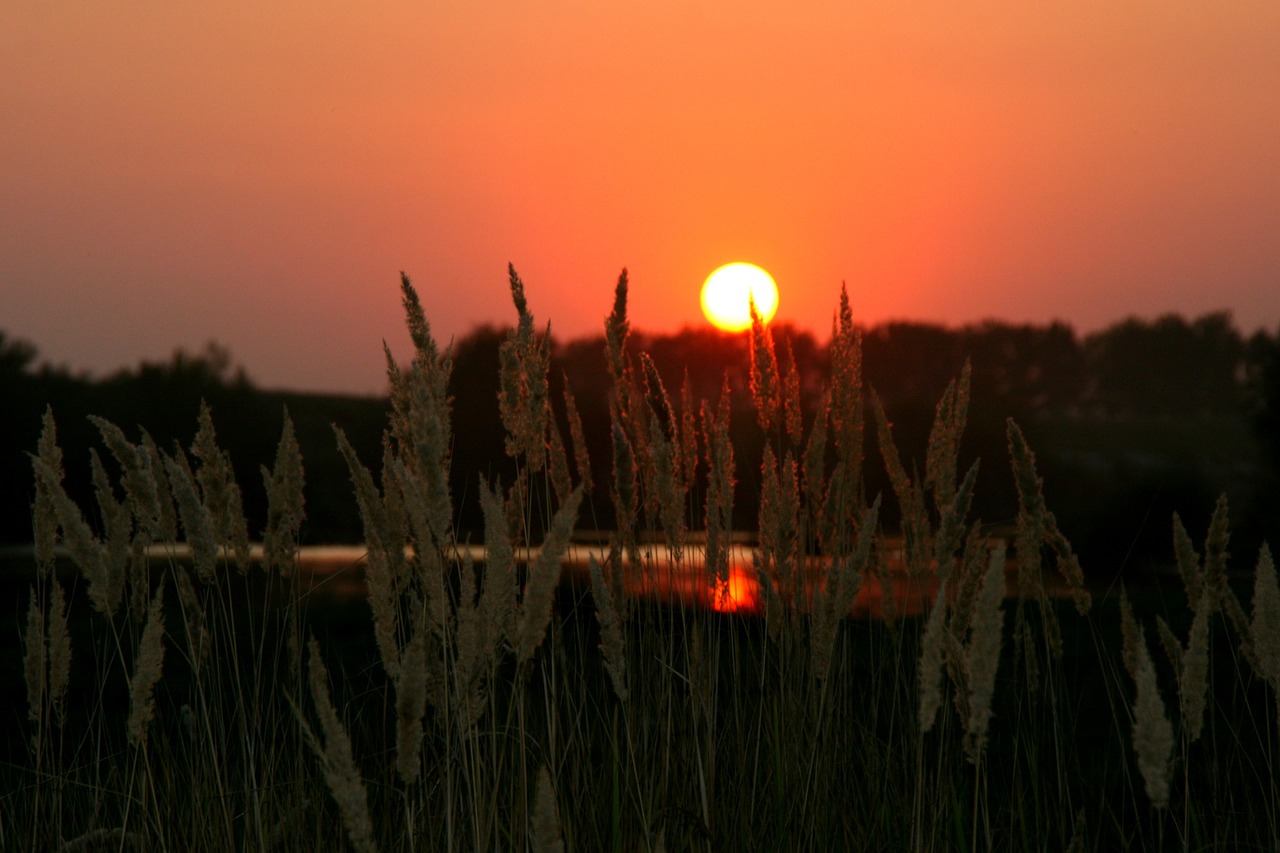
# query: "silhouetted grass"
(208, 699)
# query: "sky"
(259, 173)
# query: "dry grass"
(494, 706)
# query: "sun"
(727, 293)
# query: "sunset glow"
(728, 293)
(738, 594)
(260, 174)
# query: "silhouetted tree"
(1169, 366)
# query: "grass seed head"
(930, 669)
(982, 654)
(147, 669)
(1265, 628)
(1194, 683)
(612, 643)
(544, 577)
(34, 661)
(581, 459)
(764, 371)
(285, 503)
(49, 475)
(334, 754)
(546, 817)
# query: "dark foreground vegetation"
(205, 698)
(1131, 423)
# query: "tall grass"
(478, 706)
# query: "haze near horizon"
(260, 176)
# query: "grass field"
(208, 698)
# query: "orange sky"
(260, 173)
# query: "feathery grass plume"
(136, 477)
(1264, 631)
(968, 575)
(47, 653)
(1032, 510)
(87, 552)
(34, 660)
(1194, 681)
(117, 522)
(720, 482)
(473, 657)
(1129, 638)
(779, 523)
(1212, 575)
(44, 514)
(428, 563)
(929, 672)
(1172, 648)
(199, 642)
(1037, 527)
(835, 599)
(982, 655)
(669, 488)
(522, 394)
(612, 644)
(1152, 731)
(910, 496)
(546, 818)
(813, 472)
(847, 414)
(285, 503)
(411, 704)
(655, 395)
(334, 754)
(1188, 562)
(557, 462)
(954, 664)
(59, 656)
(1215, 576)
(544, 577)
(1215, 550)
(1031, 523)
(385, 537)
(416, 319)
(951, 523)
(219, 490)
(581, 460)
(667, 483)
(498, 597)
(792, 417)
(688, 432)
(197, 523)
(770, 603)
(147, 668)
(764, 370)
(167, 523)
(623, 491)
(616, 329)
(944, 438)
(421, 431)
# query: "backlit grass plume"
(147, 668)
(1152, 731)
(332, 749)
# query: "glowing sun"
(727, 293)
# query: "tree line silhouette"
(1130, 423)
